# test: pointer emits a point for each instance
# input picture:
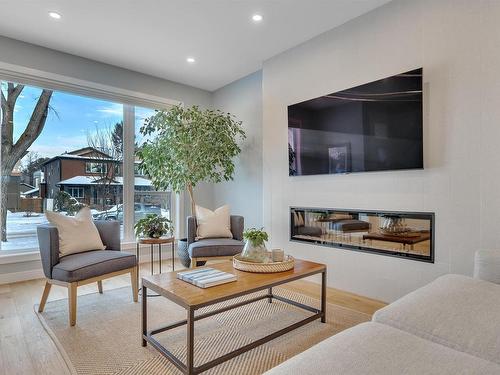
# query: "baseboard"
(14, 277)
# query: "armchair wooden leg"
(99, 286)
(134, 281)
(72, 303)
(45, 295)
(194, 263)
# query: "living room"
(371, 253)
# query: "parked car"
(140, 211)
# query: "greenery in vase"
(153, 226)
(255, 236)
(185, 146)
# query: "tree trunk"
(12, 153)
(191, 196)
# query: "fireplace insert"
(408, 235)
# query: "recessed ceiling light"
(55, 15)
(190, 60)
(257, 18)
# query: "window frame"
(73, 188)
(96, 163)
(130, 99)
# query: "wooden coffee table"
(193, 298)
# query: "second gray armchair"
(215, 248)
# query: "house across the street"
(89, 175)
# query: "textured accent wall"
(458, 45)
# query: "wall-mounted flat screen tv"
(377, 126)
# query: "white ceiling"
(156, 36)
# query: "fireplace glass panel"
(403, 234)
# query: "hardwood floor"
(25, 348)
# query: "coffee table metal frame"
(188, 367)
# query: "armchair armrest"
(191, 229)
(48, 241)
(237, 227)
(109, 230)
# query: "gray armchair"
(78, 269)
(214, 248)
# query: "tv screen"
(373, 127)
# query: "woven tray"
(272, 267)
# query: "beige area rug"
(106, 339)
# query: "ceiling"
(156, 36)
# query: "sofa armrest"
(191, 229)
(237, 227)
(48, 242)
(487, 265)
(109, 230)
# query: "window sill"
(19, 256)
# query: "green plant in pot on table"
(153, 226)
(187, 145)
(255, 248)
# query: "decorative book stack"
(206, 277)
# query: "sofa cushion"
(457, 311)
(82, 266)
(376, 349)
(76, 234)
(214, 247)
(213, 224)
(487, 265)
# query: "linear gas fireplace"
(407, 235)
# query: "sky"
(70, 120)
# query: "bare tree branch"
(35, 125)
(15, 93)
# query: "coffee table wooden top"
(190, 296)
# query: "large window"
(61, 151)
(147, 199)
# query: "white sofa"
(450, 326)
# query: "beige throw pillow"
(76, 234)
(213, 224)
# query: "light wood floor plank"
(25, 347)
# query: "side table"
(155, 241)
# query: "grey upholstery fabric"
(237, 227)
(48, 241)
(377, 349)
(456, 311)
(82, 266)
(348, 225)
(109, 230)
(213, 247)
(191, 229)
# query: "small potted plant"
(153, 226)
(255, 248)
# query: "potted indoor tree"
(186, 146)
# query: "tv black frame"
(376, 171)
(364, 249)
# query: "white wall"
(458, 45)
(243, 98)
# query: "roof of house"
(88, 150)
(89, 180)
(35, 190)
